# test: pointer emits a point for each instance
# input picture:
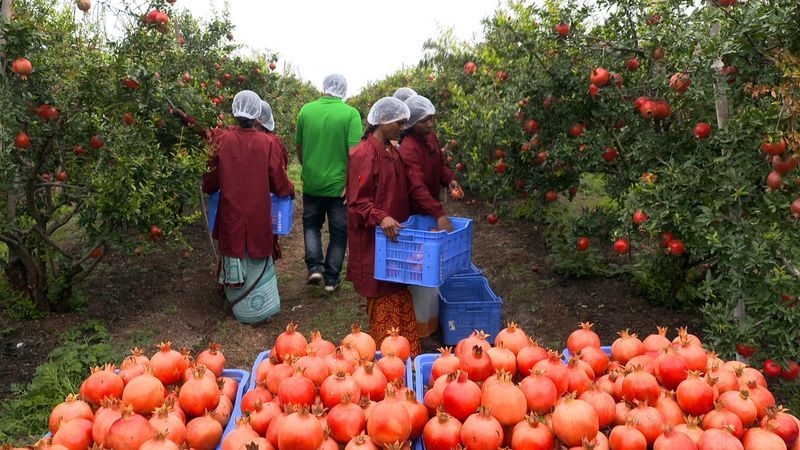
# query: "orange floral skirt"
(393, 311)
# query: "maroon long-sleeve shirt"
(378, 185)
(424, 157)
(245, 166)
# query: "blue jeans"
(315, 210)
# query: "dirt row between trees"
(163, 295)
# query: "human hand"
(443, 223)
(453, 185)
(390, 227)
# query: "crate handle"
(475, 309)
(405, 237)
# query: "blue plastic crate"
(243, 378)
(423, 365)
(422, 257)
(265, 355)
(282, 210)
(472, 271)
(467, 304)
(567, 354)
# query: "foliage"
(24, 417)
(711, 194)
(118, 132)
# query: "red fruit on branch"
(648, 178)
(79, 150)
(745, 350)
(155, 232)
(599, 77)
(622, 246)
(502, 75)
(729, 71)
(640, 217)
(459, 167)
(22, 67)
(796, 207)
(593, 90)
(679, 82)
(774, 181)
(665, 238)
(702, 130)
(632, 64)
(469, 67)
(648, 109)
(784, 166)
(654, 19)
(662, 111)
(499, 153)
(130, 83)
(96, 143)
(791, 372)
(128, 118)
(583, 243)
(273, 66)
(61, 176)
(657, 53)
(577, 130)
(773, 146)
(531, 126)
(491, 218)
(675, 247)
(548, 101)
(550, 196)
(771, 368)
(500, 167)
(562, 29)
(610, 154)
(23, 140)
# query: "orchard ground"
(164, 295)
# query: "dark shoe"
(315, 278)
(332, 286)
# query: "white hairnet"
(265, 119)
(246, 104)
(404, 93)
(387, 110)
(419, 108)
(335, 85)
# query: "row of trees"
(684, 113)
(104, 133)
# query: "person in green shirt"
(326, 130)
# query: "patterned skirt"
(393, 311)
(263, 300)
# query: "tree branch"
(65, 219)
(49, 241)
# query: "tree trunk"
(5, 11)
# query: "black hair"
(370, 129)
(246, 123)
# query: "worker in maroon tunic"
(380, 193)
(266, 124)
(425, 160)
(245, 166)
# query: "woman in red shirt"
(380, 193)
(245, 166)
(419, 148)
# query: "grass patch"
(23, 418)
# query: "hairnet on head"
(419, 108)
(387, 110)
(246, 104)
(404, 93)
(335, 85)
(265, 119)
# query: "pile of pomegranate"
(165, 402)
(313, 395)
(654, 393)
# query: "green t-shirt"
(327, 128)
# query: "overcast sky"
(364, 40)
